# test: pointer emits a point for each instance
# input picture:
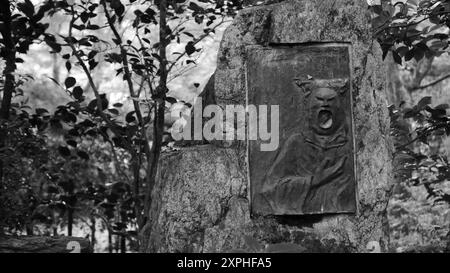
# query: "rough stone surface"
(201, 200)
(41, 244)
(199, 189)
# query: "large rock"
(201, 200)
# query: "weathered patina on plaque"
(313, 170)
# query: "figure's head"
(325, 111)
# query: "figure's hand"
(291, 179)
(325, 174)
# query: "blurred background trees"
(89, 90)
(413, 35)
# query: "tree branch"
(158, 121)
(195, 42)
(137, 109)
(432, 83)
(10, 64)
(8, 73)
(91, 81)
(126, 69)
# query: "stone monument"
(326, 187)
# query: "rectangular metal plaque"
(313, 169)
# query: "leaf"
(69, 117)
(118, 104)
(424, 102)
(64, 151)
(402, 50)
(443, 106)
(199, 19)
(380, 20)
(72, 143)
(129, 117)
(116, 41)
(84, 16)
(190, 48)
(171, 100)
(113, 111)
(419, 53)
(92, 133)
(92, 64)
(92, 104)
(92, 54)
(77, 92)
(68, 66)
(26, 7)
(84, 41)
(55, 124)
(69, 82)
(404, 158)
(113, 58)
(118, 7)
(73, 132)
(41, 111)
(396, 57)
(385, 50)
(437, 113)
(434, 19)
(409, 55)
(55, 81)
(104, 101)
(409, 113)
(54, 46)
(79, 27)
(194, 7)
(188, 34)
(83, 155)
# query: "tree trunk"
(10, 60)
(29, 229)
(8, 74)
(158, 122)
(93, 230)
(40, 244)
(123, 244)
(69, 221)
(117, 243)
(110, 242)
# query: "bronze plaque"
(313, 169)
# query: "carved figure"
(313, 171)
